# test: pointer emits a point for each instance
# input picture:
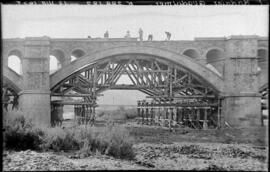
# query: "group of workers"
(150, 36)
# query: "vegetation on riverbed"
(21, 134)
(152, 148)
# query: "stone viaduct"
(236, 67)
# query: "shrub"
(131, 113)
(59, 139)
(111, 140)
(20, 133)
(115, 141)
(119, 143)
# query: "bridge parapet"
(67, 46)
(90, 45)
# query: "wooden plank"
(74, 95)
(185, 97)
(73, 103)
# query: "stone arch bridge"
(228, 72)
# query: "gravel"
(176, 156)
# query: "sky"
(183, 22)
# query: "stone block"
(242, 111)
(36, 106)
(241, 47)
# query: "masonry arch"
(202, 72)
(192, 53)
(164, 77)
(15, 61)
(9, 84)
(12, 78)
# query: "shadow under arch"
(76, 54)
(191, 52)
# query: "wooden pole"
(74, 95)
(205, 126)
(138, 110)
(182, 97)
(143, 111)
(219, 114)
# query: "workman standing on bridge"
(127, 34)
(106, 34)
(150, 37)
(168, 34)
(141, 34)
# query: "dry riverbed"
(175, 156)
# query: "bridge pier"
(35, 97)
(241, 103)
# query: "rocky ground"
(202, 156)
(176, 156)
(157, 148)
(31, 160)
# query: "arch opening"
(76, 54)
(15, 62)
(214, 61)
(54, 64)
(57, 59)
(192, 53)
(262, 60)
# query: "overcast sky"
(184, 23)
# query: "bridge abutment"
(241, 103)
(35, 97)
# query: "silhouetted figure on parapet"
(168, 35)
(140, 34)
(106, 34)
(127, 34)
(150, 37)
(89, 37)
